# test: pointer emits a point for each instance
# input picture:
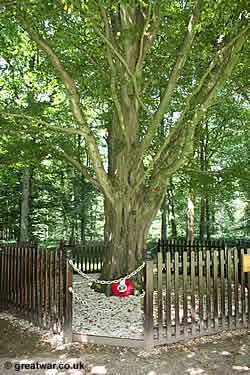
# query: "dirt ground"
(24, 351)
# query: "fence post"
(68, 297)
(148, 303)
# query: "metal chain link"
(106, 282)
(143, 294)
(79, 298)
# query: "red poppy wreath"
(123, 288)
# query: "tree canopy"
(133, 77)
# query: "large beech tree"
(145, 61)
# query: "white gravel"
(97, 314)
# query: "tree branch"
(76, 164)
(52, 127)
(124, 63)
(200, 100)
(220, 100)
(74, 98)
(110, 37)
(224, 69)
(207, 89)
(217, 62)
(154, 23)
(175, 74)
(141, 55)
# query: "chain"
(103, 282)
(106, 282)
(143, 294)
(75, 295)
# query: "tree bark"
(164, 223)
(126, 230)
(190, 218)
(220, 220)
(82, 228)
(208, 218)
(171, 211)
(202, 219)
(25, 206)
(213, 221)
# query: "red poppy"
(123, 288)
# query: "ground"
(224, 354)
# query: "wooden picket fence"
(88, 256)
(35, 284)
(193, 289)
(202, 291)
(32, 283)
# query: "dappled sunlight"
(66, 372)
(98, 370)
(241, 368)
(191, 355)
(53, 372)
(195, 371)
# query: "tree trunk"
(220, 220)
(126, 232)
(202, 219)
(129, 216)
(171, 211)
(190, 218)
(164, 219)
(72, 232)
(213, 223)
(208, 218)
(246, 222)
(204, 187)
(82, 228)
(25, 206)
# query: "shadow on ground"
(15, 341)
(228, 355)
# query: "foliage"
(123, 83)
